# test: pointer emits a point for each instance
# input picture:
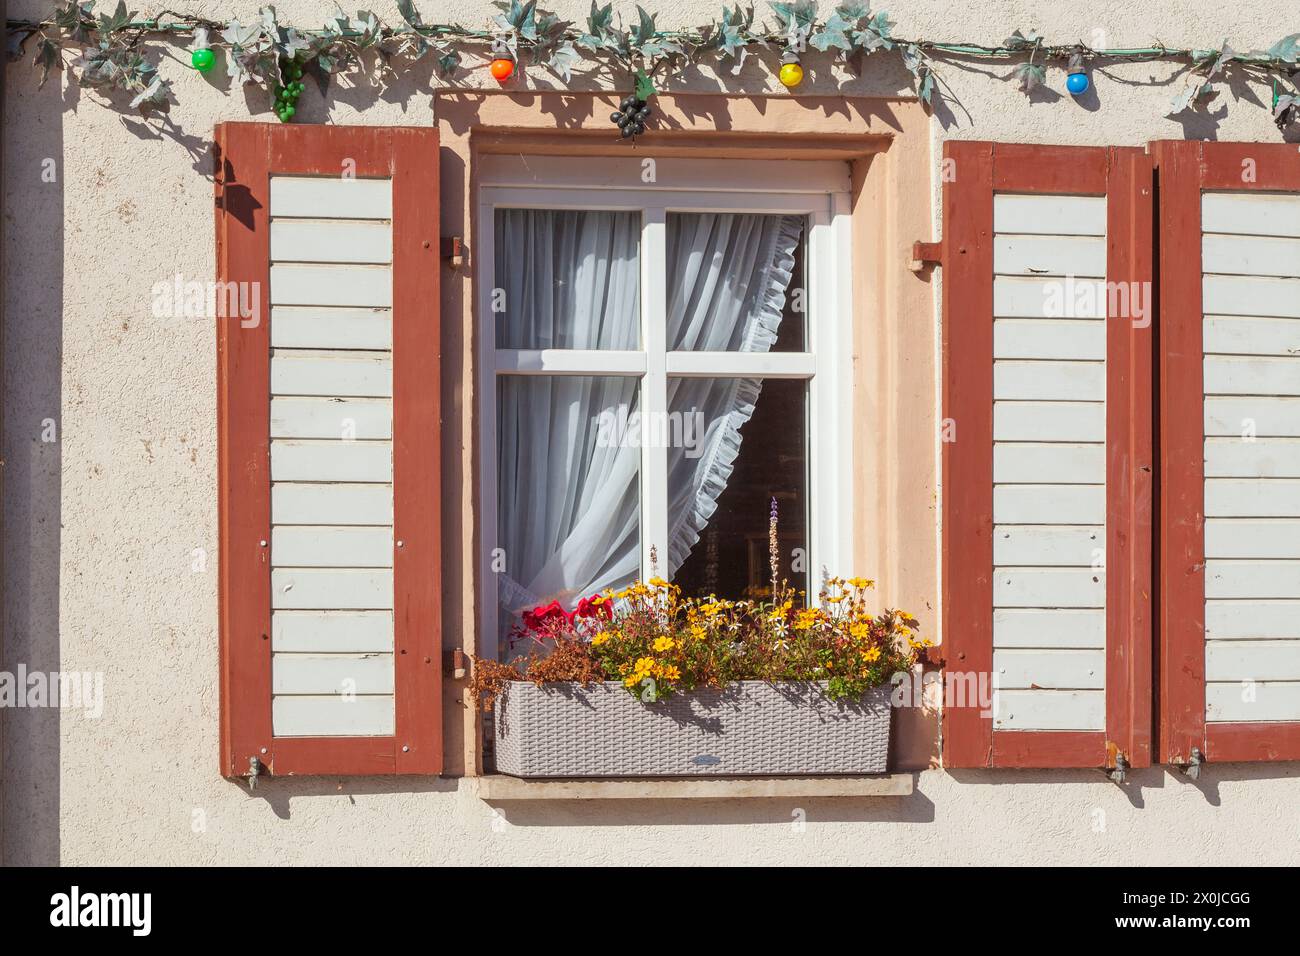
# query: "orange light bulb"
(502, 68)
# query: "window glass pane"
(568, 490)
(745, 442)
(732, 281)
(567, 279)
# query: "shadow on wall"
(33, 355)
(914, 808)
(1137, 782)
(278, 793)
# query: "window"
(659, 364)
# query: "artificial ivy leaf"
(1023, 41)
(550, 31)
(448, 62)
(1030, 76)
(517, 17)
(269, 25)
(645, 30)
(927, 85)
(367, 24)
(1195, 94)
(156, 96)
(563, 58)
(118, 20)
(601, 19)
(237, 34)
(96, 66)
(645, 87)
(1286, 49)
(728, 36)
(599, 29)
(47, 58)
(875, 34)
(833, 35)
(295, 44)
(796, 20)
(72, 19)
(914, 60)
(411, 15)
(801, 13)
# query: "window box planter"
(750, 728)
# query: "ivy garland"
(109, 53)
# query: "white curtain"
(734, 272)
(568, 498)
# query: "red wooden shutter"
(1071, 645)
(1230, 444)
(329, 487)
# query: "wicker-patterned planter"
(750, 728)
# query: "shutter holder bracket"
(455, 664)
(925, 254)
(452, 249)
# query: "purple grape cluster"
(631, 116)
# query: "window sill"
(499, 787)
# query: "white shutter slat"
(341, 674)
(331, 631)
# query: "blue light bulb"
(1077, 83)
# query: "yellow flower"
(633, 680)
(806, 619)
(663, 643)
(669, 672)
(861, 583)
(859, 630)
(871, 655)
(698, 632)
(600, 638)
(658, 582)
(644, 665)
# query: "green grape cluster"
(286, 96)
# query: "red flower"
(595, 606)
(535, 620)
(551, 616)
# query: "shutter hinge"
(1192, 769)
(254, 771)
(452, 248)
(1121, 767)
(925, 253)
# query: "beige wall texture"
(110, 543)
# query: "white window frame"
(817, 190)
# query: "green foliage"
(107, 45)
(1030, 76)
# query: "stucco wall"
(102, 524)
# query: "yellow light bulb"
(791, 75)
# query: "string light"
(502, 66)
(1077, 81)
(791, 73)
